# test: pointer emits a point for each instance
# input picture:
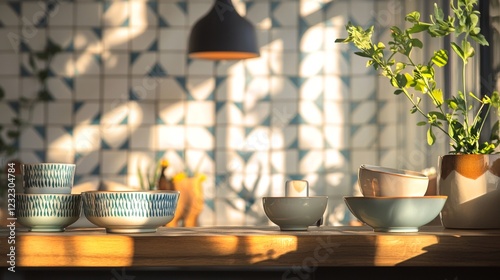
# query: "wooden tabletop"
(261, 246)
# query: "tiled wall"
(125, 94)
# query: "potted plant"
(469, 174)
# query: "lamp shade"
(222, 34)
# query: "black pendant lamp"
(222, 34)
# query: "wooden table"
(432, 246)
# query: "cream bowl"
(395, 214)
(375, 181)
(295, 213)
(47, 212)
(130, 211)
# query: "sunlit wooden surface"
(257, 246)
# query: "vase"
(472, 184)
(190, 204)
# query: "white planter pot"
(472, 184)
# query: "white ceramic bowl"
(130, 211)
(377, 181)
(48, 212)
(295, 213)
(48, 177)
(395, 214)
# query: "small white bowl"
(130, 211)
(295, 213)
(395, 214)
(378, 181)
(48, 178)
(48, 212)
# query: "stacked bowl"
(393, 199)
(47, 204)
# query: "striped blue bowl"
(48, 212)
(130, 211)
(48, 177)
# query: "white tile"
(30, 156)
(145, 88)
(142, 15)
(116, 38)
(230, 137)
(6, 113)
(59, 138)
(115, 112)
(9, 65)
(60, 155)
(285, 161)
(196, 10)
(310, 112)
(287, 13)
(37, 114)
(283, 137)
(60, 113)
(173, 62)
(201, 67)
(283, 89)
(387, 112)
(332, 33)
(116, 14)
(200, 88)
(61, 36)
(142, 137)
(36, 38)
(141, 113)
(63, 64)
(337, 136)
(142, 39)
(173, 39)
(336, 89)
(230, 212)
(387, 136)
(115, 88)
(87, 138)
(87, 88)
(229, 114)
(113, 161)
(115, 63)
(282, 113)
(87, 40)
(312, 161)
(256, 114)
(364, 112)
(200, 113)
(313, 38)
(87, 163)
(33, 12)
(172, 14)
(59, 89)
(335, 160)
(365, 136)
(136, 160)
(230, 68)
(259, 139)
(310, 137)
(87, 64)
(362, 156)
(362, 12)
(62, 15)
(284, 39)
(257, 89)
(259, 65)
(228, 162)
(115, 135)
(199, 138)
(29, 87)
(338, 13)
(31, 139)
(10, 38)
(89, 14)
(87, 112)
(312, 64)
(284, 63)
(341, 63)
(363, 87)
(336, 112)
(170, 89)
(258, 15)
(170, 137)
(312, 88)
(11, 87)
(171, 112)
(199, 162)
(143, 64)
(231, 88)
(8, 16)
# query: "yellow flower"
(164, 163)
(179, 176)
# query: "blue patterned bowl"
(130, 211)
(48, 178)
(48, 212)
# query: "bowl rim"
(395, 197)
(47, 194)
(132, 191)
(294, 197)
(394, 171)
(50, 163)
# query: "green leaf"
(417, 43)
(422, 123)
(438, 115)
(458, 50)
(398, 92)
(362, 54)
(440, 58)
(413, 17)
(418, 27)
(437, 95)
(431, 138)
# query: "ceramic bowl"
(48, 212)
(295, 213)
(395, 214)
(375, 181)
(48, 178)
(130, 211)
